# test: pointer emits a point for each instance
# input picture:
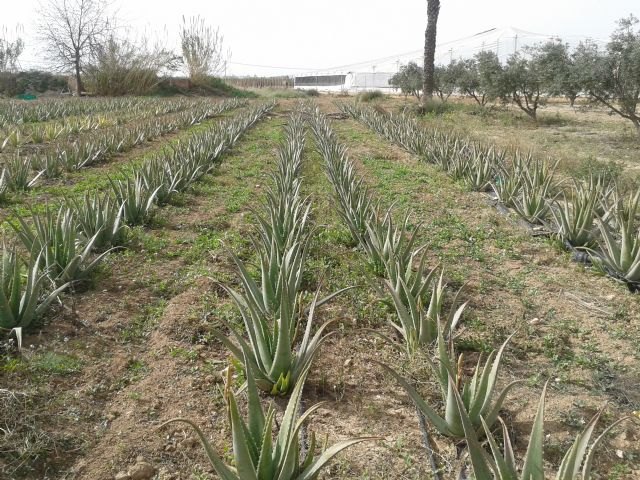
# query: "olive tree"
(72, 31)
(524, 81)
(408, 79)
(558, 70)
(490, 80)
(468, 80)
(445, 80)
(611, 76)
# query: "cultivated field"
(137, 343)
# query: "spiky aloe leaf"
(533, 467)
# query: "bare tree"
(202, 48)
(72, 31)
(433, 9)
(10, 50)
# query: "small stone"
(535, 321)
(122, 476)
(142, 471)
(189, 442)
(347, 362)
(619, 453)
(170, 448)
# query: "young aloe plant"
(4, 185)
(271, 319)
(532, 204)
(621, 260)
(136, 199)
(537, 192)
(417, 319)
(622, 211)
(19, 177)
(388, 243)
(575, 216)
(256, 456)
(480, 399)
(482, 168)
(64, 256)
(507, 185)
(576, 463)
(49, 164)
(99, 216)
(23, 303)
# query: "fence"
(260, 82)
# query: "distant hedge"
(12, 84)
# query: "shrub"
(370, 96)
(434, 107)
(12, 84)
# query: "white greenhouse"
(351, 82)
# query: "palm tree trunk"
(433, 9)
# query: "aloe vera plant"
(418, 317)
(22, 303)
(50, 164)
(387, 242)
(270, 307)
(19, 177)
(137, 201)
(4, 185)
(99, 217)
(159, 175)
(355, 207)
(64, 256)
(575, 216)
(256, 456)
(621, 259)
(576, 463)
(271, 319)
(482, 167)
(507, 185)
(480, 398)
(537, 191)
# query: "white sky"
(308, 36)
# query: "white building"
(351, 82)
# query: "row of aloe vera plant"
(273, 320)
(417, 291)
(65, 244)
(592, 217)
(15, 111)
(18, 135)
(21, 173)
(471, 407)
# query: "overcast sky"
(300, 36)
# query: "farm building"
(350, 82)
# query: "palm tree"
(433, 9)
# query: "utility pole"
(515, 44)
(450, 55)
